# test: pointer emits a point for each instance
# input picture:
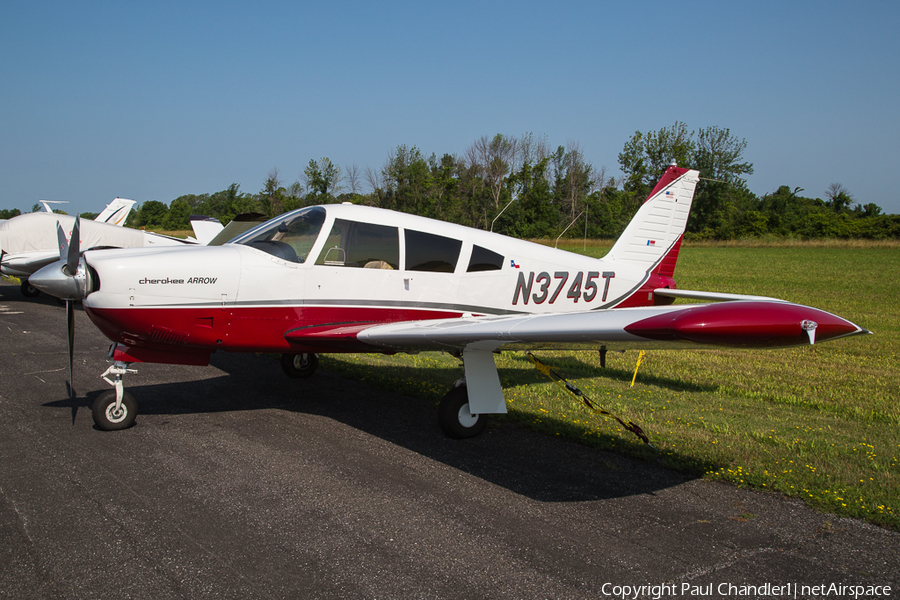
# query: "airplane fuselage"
(350, 268)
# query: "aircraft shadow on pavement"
(527, 463)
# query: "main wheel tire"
(454, 417)
(107, 418)
(299, 365)
(29, 291)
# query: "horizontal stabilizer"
(710, 296)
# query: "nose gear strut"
(115, 409)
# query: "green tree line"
(523, 187)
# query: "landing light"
(810, 328)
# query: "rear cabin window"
(361, 245)
(429, 252)
(484, 260)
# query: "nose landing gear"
(115, 409)
(111, 413)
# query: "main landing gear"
(299, 365)
(454, 416)
(28, 290)
(464, 410)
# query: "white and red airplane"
(346, 278)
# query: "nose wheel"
(111, 415)
(115, 409)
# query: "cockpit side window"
(289, 237)
(484, 260)
(361, 245)
(429, 252)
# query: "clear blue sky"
(152, 100)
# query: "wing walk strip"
(560, 381)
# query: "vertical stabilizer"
(115, 212)
(654, 234)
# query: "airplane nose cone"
(56, 281)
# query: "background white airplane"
(115, 213)
(29, 241)
(345, 278)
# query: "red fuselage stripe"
(246, 329)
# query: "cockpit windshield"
(289, 237)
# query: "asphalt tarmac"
(238, 482)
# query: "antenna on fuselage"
(514, 198)
(46, 204)
(567, 228)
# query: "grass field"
(819, 423)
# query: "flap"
(337, 337)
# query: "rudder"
(653, 237)
(115, 212)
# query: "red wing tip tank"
(746, 324)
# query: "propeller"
(68, 252)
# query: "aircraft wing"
(23, 265)
(736, 324)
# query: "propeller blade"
(70, 325)
(74, 247)
(63, 242)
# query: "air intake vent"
(165, 335)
